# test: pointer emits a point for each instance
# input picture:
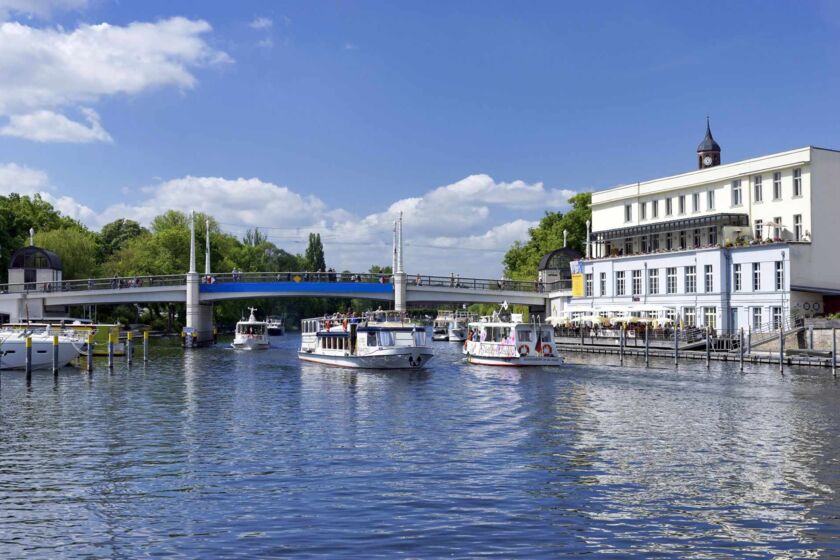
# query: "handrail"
(116, 282)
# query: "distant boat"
(276, 326)
(13, 346)
(440, 327)
(458, 326)
(381, 340)
(251, 334)
(504, 340)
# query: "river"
(214, 453)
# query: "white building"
(745, 244)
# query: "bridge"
(199, 292)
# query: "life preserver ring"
(546, 349)
(523, 349)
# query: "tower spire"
(708, 152)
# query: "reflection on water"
(215, 453)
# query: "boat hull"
(518, 361)
(276, 331)
(409, 358)
(14, 354)
(250, 344)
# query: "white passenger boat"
(13, 346)
(440, 326)
(251, 334)
(458, 326)
(276, 326)
(504, 340)
(382, 340)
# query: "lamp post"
(588, 241)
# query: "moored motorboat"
(458, 326)
(503, 339)
(440, 326)
(13, 346)
(276, 326)
(381, 340)
(251, 334)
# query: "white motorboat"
(13, 346)
(382, 340)
(440, 326)
(276, 326)
(251, 334)
(458, 326)
(504, 340)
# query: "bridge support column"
(199, 316)
(400, 303)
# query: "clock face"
(707, 160)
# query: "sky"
(470, 118)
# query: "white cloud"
(458, 227)
(46, 70)
(47, 126)
(38, 8)
(261, 23)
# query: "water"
(213, 453)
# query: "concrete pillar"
(400, 303)
(199, 315)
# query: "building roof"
(708, 144)
(559, 259)
(35, 257)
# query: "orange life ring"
(546, 350)
(523, 349)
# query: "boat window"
(523, 335)
(419, 338)
(371, 339)
(386, 338)
(546, 335)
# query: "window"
(758, 190)
(619, 283)
(637, 283)
(669, 207)
(587, 285)
(669, 241)
(777, 318)
(756, 318)
(777, 228)
(603, 284)
(653, 281)
(644, 244)
(710, 200)
(780, 275)
(710, 317)
(712, 236)
(654, 209)
(671, 280)
(695, 202)
(628, 246)
(777, 185)
(628, 213)
(691, 279)
(736, 192)
(654, 245)
(697, 239)
(758, 228)
(797, 182)
(690, 316)
(681, 202)
(756, 269)
(643, 210)
(737, 274)
(797, 227)
(683, 242)
(710, 279)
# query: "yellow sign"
(577, 285)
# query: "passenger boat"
(458, 326)
(381, 340)
(13, 346)
(276, 326)
(440, 327)
(251, 334)
(503, 339)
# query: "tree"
(522, 259)
(376, 269)
(314, 255)
(116, 234)
(76, 247)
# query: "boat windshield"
(419, 338)
(385, 338)
(250, 329)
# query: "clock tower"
(708, 152)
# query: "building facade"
(741, 245)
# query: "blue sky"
(337, 115)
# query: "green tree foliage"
(314, 255)
(115, 235)
(522, 259)
(77, 249)
(376, 269)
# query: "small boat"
(13, 346)
(276, 326)
(458, 326)
(381, 340)
(440, 327)
(251, 334)
(504, 340)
